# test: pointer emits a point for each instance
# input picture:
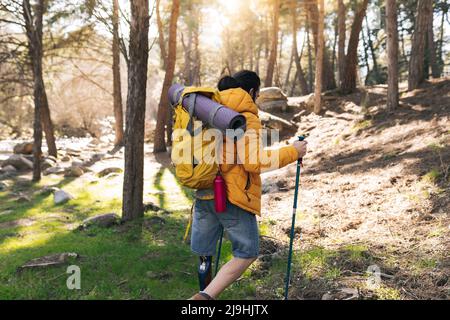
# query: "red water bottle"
(220, 195)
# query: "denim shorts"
(239, 225)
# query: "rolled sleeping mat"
(207, 110)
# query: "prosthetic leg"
(204, 272)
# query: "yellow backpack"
(193, 169)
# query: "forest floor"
(373, 217)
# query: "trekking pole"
(294, 211)
(218, 252)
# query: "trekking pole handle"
(300, 138)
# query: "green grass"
(137, 260)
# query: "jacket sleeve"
(255, 158)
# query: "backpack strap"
(192, 97)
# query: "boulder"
(73, 171)
(23, 148)
(273, 105)
(53, 170)
(303, 102)
(270, 121)
(19, 162)
(107, 171)
(271, 93)
(47, 163)
(272, 99)
(8, 169)
(73, 152)
(66, 158)
(62, 196)
(102, 220)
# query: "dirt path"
(377, 180)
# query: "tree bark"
(300, 74)
(351, 59)
(416, 61)
(161, 41)
(274, 44)
(133, 184)
(163, 108)
(392, 52)
(117, 90)
(319, 59)
(435, 73)
(33, 27)
(310, 64)
(328, 79)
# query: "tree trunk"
(415, 71)
(310, 65)
(33, 27)
(366, 57)
(117, 90)
(372, 52)
(300, 74)
(288, 73)
(274, 44)
(161, 41)
(163, 108)
(441, 40)
(133, 183)
(341, 41)
(392, 52)
(435, 73)
(328, 80)
(351, 59)
(319, 59)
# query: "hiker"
(243, 189)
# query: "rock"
(19, 162)
(271, 93)
(97, 156)
(95, 141)
(103, 220)
(3, 185)
(53, 170)
(275, 105)
(47, 163)
(48, 190)
(107, 171)
(23, 148)
(74, 172)
(50, 260)
(298, 116)
(66, 158)
(341, 294)
(269, 121)
(272, 99)
(303, 102)
(23, 198)
(61, 196)
(73, 152)
(77, 163)
(8, 169)
(52, 158)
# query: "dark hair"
(244, 79)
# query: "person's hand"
(301, 147)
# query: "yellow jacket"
(242, 178)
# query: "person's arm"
(257, 159)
